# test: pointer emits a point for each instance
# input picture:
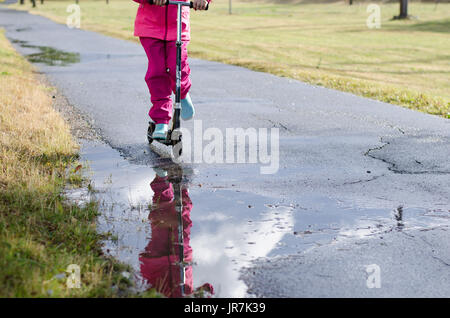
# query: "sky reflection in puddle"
(223, 229)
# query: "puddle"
(222, 229)
(219, 231)
(48, 55)
(23, 29)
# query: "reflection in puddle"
(166, 262)
(48, 55)
(23, 29)
(185, 239)
(222, 230)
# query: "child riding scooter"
(164, 32)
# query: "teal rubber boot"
(187, 108)
(160, 172)
(160, 132)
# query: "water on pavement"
(223, 229)
(48, 55)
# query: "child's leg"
(158, 80)
(185, 70)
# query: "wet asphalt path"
(359, 182)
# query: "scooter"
(174, 134)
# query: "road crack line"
(393, 167)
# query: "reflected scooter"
(168, 254)
(176, 180)
(174, 134)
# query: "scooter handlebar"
(191, 4)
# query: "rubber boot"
(160, 132)
(187, 108)
(160, 172)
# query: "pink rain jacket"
(160, 22)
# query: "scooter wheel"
(177, 146)
(177, 150)
(150, 130)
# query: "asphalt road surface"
(359, 182)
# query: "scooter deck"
(173, 139)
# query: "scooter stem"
(179, 43)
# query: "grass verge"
(403, 62)
(41, 234)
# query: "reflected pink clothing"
(158, 261)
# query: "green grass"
(403, 62)
(41, 234)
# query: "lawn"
(403, 62)
(40, 233)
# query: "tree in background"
(403, 10)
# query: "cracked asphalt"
(405, 260)
(344, 160)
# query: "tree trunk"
(22, 1)
(403, 9)
(350, 2)
(42, 1)
(34, 3)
